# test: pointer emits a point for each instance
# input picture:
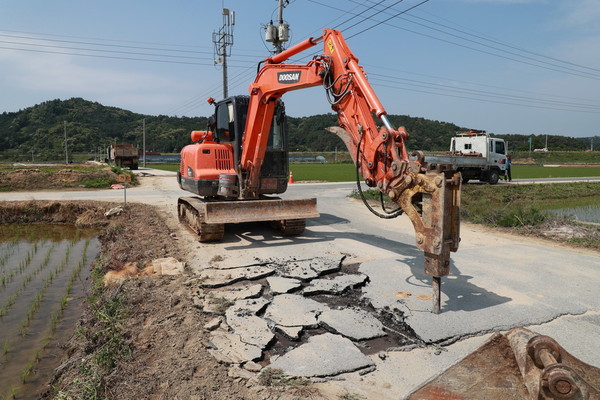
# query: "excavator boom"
(227, 162)
(428, 194)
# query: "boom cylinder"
(300, 47)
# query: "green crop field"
(531, 172)
(331, 172)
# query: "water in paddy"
(585, 214)
(44, 271)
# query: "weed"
(221, 304)
(351, 396)
(5, 346)
(274, 377)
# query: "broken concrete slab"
(355, 324)
(222, 277)
(298, 270)
(250, 306)
(281, 285)
(237, 372)
(252, 366)
(294, 310)
(322, 355)
(213, 324)
(291, 332)
(336, 285)
(243, 291)
(231, 349)
(252, 329)
(324, 265)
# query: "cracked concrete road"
(497, 281)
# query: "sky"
(505, 66)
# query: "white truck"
(475, 155)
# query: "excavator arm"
(428, 194)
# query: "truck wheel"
(493, 177)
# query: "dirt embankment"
(53, 178)
(162, 344)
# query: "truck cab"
(483, 157)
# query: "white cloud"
(49, 76)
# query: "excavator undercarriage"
(207, 218)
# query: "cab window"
(225, 123)
(500, 147)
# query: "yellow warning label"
(330, 46)
(124, 178)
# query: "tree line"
(39, 132)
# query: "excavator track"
(190, 216)
(208, 217)
(289, 227)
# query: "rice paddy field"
(43, 270)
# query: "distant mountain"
(91, 127)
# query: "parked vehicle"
(124, 155)
(476, 155)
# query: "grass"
(98, 183)
(110, 345)
(274, 377)
(524, 206)
(533, 172)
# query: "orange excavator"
(241, 160)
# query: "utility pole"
(66, 149)
(280, 33)
(223, 40)
(144, 140)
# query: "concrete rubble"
(258, 306)
(229, 348)
(281, 285)
(294, 310)
(323, 355)
(251, 328)
(336, 285)
(352, 323)
(212, 278)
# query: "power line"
(357, 15)
(512, 46)
(486, 94)
(112, 57)
(375, 67)
(488, 100)
(562, 69)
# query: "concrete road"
(498, 281)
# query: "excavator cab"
(230, 122)
(210, 167)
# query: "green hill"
(91, 127)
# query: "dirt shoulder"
(59, 177)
